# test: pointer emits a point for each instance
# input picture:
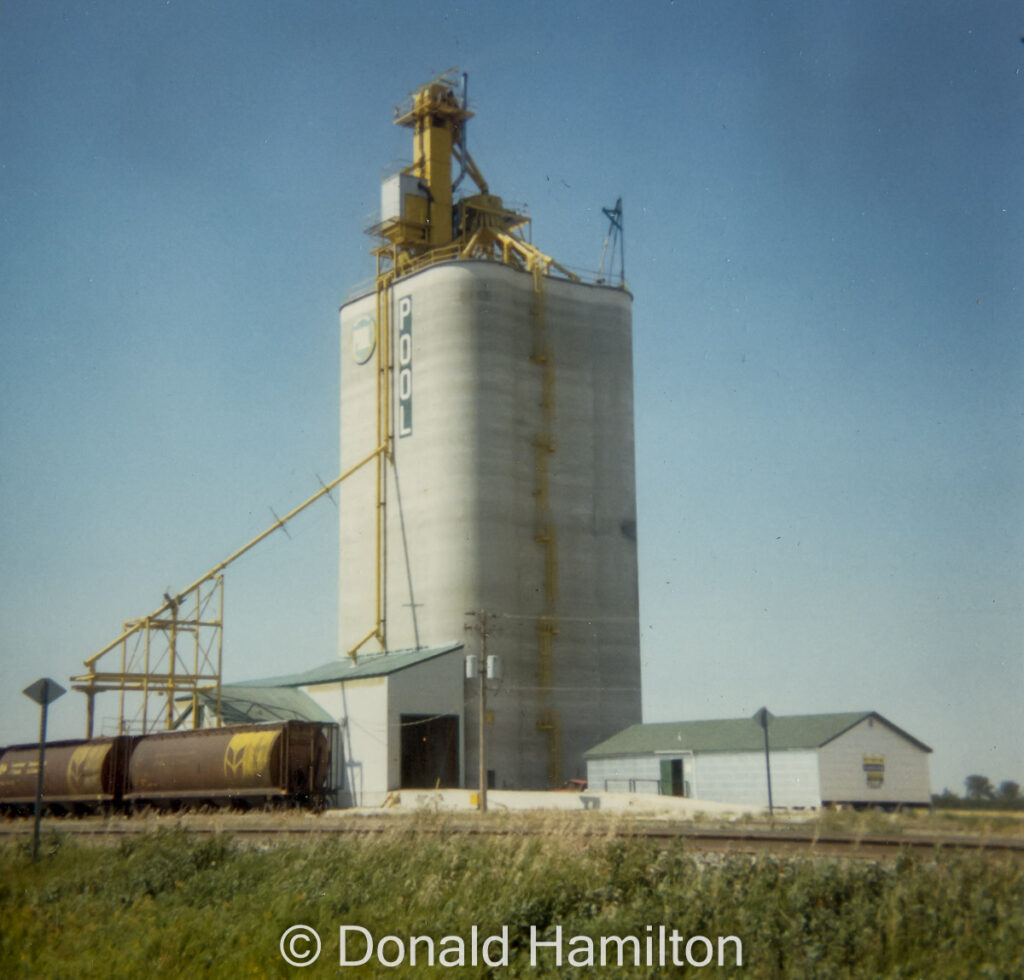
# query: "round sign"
(364, 338)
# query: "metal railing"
(631, 786)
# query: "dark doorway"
(672, 778)
(430, 751)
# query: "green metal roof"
(241, 703)
(736, 735)
(373, 665)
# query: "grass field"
(981, 823)
(171, 904)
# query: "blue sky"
(823, 213)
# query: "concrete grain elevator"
(487, 421)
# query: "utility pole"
(482, 671)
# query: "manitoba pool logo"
(234, 759)
(364, 338)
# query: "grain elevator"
(487, 433)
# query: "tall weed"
(172, 903)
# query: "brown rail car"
(241, 764)
(78, 776)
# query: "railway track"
(788, 841)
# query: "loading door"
(672, 782)
(430, 751)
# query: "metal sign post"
(762, 717)
(43, 691)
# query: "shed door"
(430, 751)
(672, 777)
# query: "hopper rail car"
(238, 766)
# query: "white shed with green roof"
(853, 758)
(399, 718)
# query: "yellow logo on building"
(874, 768)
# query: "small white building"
(857, 758)
(399, 718)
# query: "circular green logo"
(364, 338)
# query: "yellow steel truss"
(169, 654)
(148, 661)
(433, 226)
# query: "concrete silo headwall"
(511, 491)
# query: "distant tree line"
(980, 794)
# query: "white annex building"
(397, 718)
(816, 760)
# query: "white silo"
(490, 395)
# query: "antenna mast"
(614, 240)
